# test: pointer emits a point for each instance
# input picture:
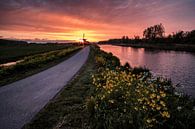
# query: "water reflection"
(10, 63)
(179, 66)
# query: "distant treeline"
(7, 42)
(156, 34)
(11, 42)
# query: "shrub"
(99, 60)
(139, 101)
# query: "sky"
(98, 19)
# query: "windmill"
(84, 40)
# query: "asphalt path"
(22, 100)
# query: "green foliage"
(127, 94)
(106, 60)
(90, 104)
(153, 32)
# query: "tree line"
(156, 34)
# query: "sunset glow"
(98, 19)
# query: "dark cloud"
(97, 14)
(102, 10)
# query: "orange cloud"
(99, 20)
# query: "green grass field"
(11, 51)
(34, 64)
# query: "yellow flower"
(152, 96)
(162, 103)
(103, 97)
(111, 101)
(153, 119)
(158, 97)
(162, 94)
(158, 107)
(148, 120)
(165, 114)
(136, 108)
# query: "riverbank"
(174, 47)
(133, 98)
(89, 102)
(175, 65)
(35, 64)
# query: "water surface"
(10, 63)
(178, 66)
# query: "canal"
(174, 65)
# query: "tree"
(179, 37)
(190, 37)
(136, 37)
(125, 39)
(153, 32)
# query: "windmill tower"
(84, 40)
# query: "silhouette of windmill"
(84, 40)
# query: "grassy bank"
(106, 95)
(16, 50)
(155, 46)
(132, 98)
(34, 64)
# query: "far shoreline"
(159, 46)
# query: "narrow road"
(22, 100)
